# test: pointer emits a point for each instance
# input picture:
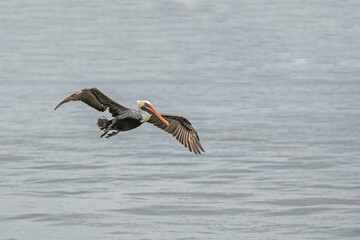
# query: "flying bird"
(125, 119)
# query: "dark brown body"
(119, 125)
(126, 124)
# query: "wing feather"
(181, 129)
(175, 133)
(181, 136)
(95, 99)
(193, 147)
(188, 141)
(185, 139)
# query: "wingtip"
(57, 107)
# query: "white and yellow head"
(148, 110)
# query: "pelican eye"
(146, 105)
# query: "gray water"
(272, 88)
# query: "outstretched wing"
(95, 99)
(181, 129)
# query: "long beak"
(152, 109)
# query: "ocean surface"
(272, 87)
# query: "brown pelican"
(125, 119)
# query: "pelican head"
(147, 110)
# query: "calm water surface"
(271, 86)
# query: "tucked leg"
(112, 134)
(108, 128)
